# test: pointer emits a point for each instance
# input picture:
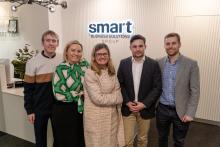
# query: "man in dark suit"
(180, 95)
(140, 81)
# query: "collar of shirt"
(69, 64)
(177, 60)
(43, 54)
(141, 61)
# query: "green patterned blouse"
(68, 82)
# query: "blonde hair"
(68, 46)
(94, 65)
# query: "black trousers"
(40, 129)
(68, 125)
(165, 116)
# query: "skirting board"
(207, 121)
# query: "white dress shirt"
(137, 67)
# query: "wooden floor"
(199, 135)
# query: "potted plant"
(22, 56)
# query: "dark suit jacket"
(150, 86)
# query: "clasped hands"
(135, 106)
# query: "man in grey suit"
(181, 88)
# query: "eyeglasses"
(101, 54)
(137, 46)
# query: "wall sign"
(111, 29)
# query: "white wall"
(16, 122)
(55, 24)
(32, 21)
(81, 12)
(154, 19)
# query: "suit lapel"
(143, 71)
(163, 61)
(180, 69)
(130, 74)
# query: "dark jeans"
(165, 116)
(40, 129)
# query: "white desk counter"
(15, 117)
(14, 91)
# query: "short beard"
(174, 54)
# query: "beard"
(139, 55)
(172, 53)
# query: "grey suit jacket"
(187, 86)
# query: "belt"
(168, 106)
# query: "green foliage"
(22, 56)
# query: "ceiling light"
(13, 8)
(51, 9)
(45, 3)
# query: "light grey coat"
(187, 86)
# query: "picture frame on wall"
(13, 26)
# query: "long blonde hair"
(94, 65)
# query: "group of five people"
(95, 106)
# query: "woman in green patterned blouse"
(68, 90)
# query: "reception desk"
(15, 117)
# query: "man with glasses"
(38, 94)
(140, 81)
